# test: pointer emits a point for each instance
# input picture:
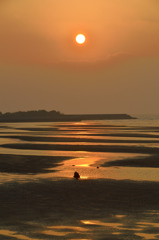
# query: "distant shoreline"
(54, 116)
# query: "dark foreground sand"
(50, 209)
(25, 164)
(31, 209)
(88, 148)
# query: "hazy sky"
(115, 71)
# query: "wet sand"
(81, 139)
(75, 209)
(89, 148)
(22, 164)
(147, 162)
(66, 208)
(33, 209)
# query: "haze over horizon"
(116, 70)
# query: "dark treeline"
(43, 115)
(29, 115)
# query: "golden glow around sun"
(80, 38)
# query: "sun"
(80, 38)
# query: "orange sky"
(115, 71)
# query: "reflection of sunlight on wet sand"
(146, 224)
(116, 233)
(82, 162)
(87, 167)
(83, 177)
(147, 235)
(75, 228)
(82, 165)
(95, 222)
(112, 225)
(81, 124)
(63, 230)
(142, 229)
(13, 177)
(54, 233)
(15, 235)
(122, 225)
(148, 227)
(85, 173)
(76, 133)
(58, 231)
(120, 216)
(153, 212)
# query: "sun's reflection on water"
(99, 223)
(83, 177)
(15, 235)
(147, 236)
(54, 233)
(63, 230)
(117, 225)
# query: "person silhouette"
(76, 175)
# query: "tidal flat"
(117, 196)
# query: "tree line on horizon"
(32, 114)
